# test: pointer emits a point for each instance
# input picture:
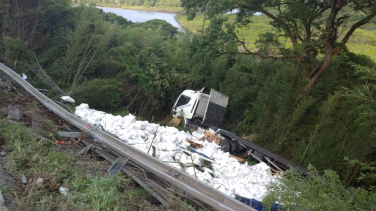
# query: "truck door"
(216, 108)
(183, 107)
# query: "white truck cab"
(200, 106)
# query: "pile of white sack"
(227, 174)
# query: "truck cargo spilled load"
(206, 111)
(208, 163)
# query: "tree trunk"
(203, 22)
(315, 74)
(330, 30)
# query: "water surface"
(143, 16)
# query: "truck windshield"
(183, 100)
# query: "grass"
(89, 189)
(155, 8)
(363, 40)
(6, 190)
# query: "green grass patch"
(155, 8)
(363, 41)
(89, 189)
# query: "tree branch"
(252, 53)
(352, 29)
(278, 20)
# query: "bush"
(107, 90)
(317, 192)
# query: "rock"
(14, 113)
(2, 203)
(3, 153)
(40, 181)
(36, 122)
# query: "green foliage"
(108, 90)
(192, 7)
(318, 192)
(167, 29)
(368, 171)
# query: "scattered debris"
(85, 150)
(68, 99)
(237, 158)
(189, 150)
(212, 137)
(117, 165)
(224, 173)
(24, 180)
(40, 181)
(3, 153)
(71, 134)
(14, 113)
(194, 144)
(174, 122)
(64, 190)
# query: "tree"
(193, 6)
(312, 27)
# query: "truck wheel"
(225, 145)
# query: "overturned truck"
(206, 111)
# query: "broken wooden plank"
(174, 122)
(237, 158)
(194, 144)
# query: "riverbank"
(140, 16)
(145, 8)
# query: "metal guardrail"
(189, 185)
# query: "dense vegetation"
(141, 68)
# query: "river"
(143, 16)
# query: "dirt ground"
(32, 113)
